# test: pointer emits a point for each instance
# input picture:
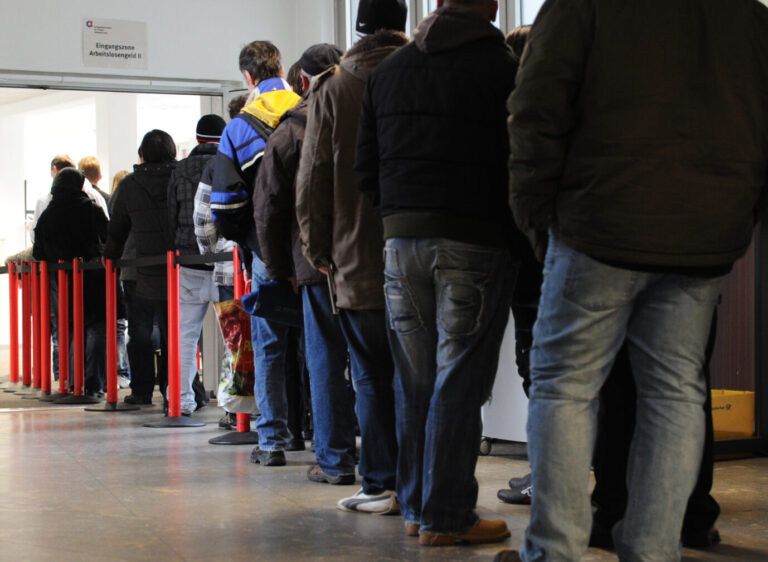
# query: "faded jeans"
(587, 310)
(448, 304)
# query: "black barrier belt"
(207, 259)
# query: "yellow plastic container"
(733, 414)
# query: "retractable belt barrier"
(34, 280)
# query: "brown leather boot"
(484, 531)
(412, 529)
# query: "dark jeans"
(333, 399)
(94, 358)
(54, 299)
(372, 375)
(296, 384)
(140, 313)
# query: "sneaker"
(123, 381)
(384, 503)
(267, 458)
(138, 399)
(507, 556)
(316, 474)
(295, 445)
(484, 531)
(228, 421)
(517, 496)
(521, 482)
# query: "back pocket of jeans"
(461, 301)
(403, 313)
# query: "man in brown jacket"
(341, 237)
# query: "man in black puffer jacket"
(140, 206)
(196, 286)
(431, 156)
(72, 226)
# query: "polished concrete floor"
(78, 485)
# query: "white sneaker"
(123, 381)
(379, 504)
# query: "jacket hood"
(154, 178)
(362, 64)
(270, 106)
(451, 27)
(204, 148)
(67, 182)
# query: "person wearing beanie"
(274, 212)
(197, 288)
(71, 226)
(373, 15)
(450, 253)
(341, 237)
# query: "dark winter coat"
(274, 201)
(337, 222)
(140, 206)
(432, 145)
(73, 226)
(639, 129)
(181, 198)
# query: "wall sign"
(115, 43)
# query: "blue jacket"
(237, 161)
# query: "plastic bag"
(236, 380)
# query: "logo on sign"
(89, 23)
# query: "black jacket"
(140, 206)
(181, 197)
(274, 201)
(639, 129)
(72, 226)
(432, 144)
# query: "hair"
(261, 59)
(117, 177)
(91, 168)
(236, 104)
(294, 78)
(382, 38)
(516, 40)
(157, 147)
(62, 161)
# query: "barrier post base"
(36, 395)
(25, 390)
(236, 438)
(181, 421)
(72, 399)
(11, 387)
(114, 407)
(54, 397)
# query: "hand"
(323, 270)
(294, 286)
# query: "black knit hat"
(373, 15)
(319, 57)
(209, 128)
(68, 179)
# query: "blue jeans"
(196, 291)
(448, 304)
(372, 376)
(270, 347)
(587, 310)
(333, 399)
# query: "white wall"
(187, 39)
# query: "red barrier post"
(36, 343)
(77, 321)
(173, 392)
(63, 331)
(26, 328)
(13, 290)
(45, 328)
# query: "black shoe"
(138, 399)
(267, 458)
(316, 474)
(228, 421)
(295, 445)
(515, 483)
(516, 496)
(701, 540)
(600, 536)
